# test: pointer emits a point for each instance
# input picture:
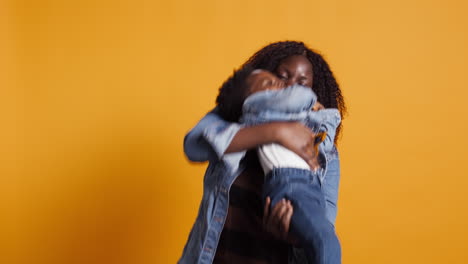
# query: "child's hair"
(233, 93)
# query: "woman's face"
(295, 69)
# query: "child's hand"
(317, 106)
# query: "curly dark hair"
(324, 83)
(232, 94)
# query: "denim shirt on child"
(207, 141)
(293, 103)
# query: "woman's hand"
(299, 139)
(292, 135)
(277, 220)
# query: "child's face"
(261, 80)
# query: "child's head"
(233, 93)
(239, 86)
(261, 80)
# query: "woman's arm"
(292, 135)
(209, 138)
(213, 137)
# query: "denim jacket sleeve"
(209, 139)
(329, 119)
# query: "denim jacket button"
(207, 249)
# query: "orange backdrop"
(96, 96)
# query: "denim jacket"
(207, 141)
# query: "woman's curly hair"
(324, 83)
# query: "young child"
(258, 96)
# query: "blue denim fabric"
(207, 141)
(293, 99)
(309, 222)
(293, 103)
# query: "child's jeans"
(308, 222)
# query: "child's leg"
(317, 235)
(308, 223)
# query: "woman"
(230, 226)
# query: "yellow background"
(96, 96)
